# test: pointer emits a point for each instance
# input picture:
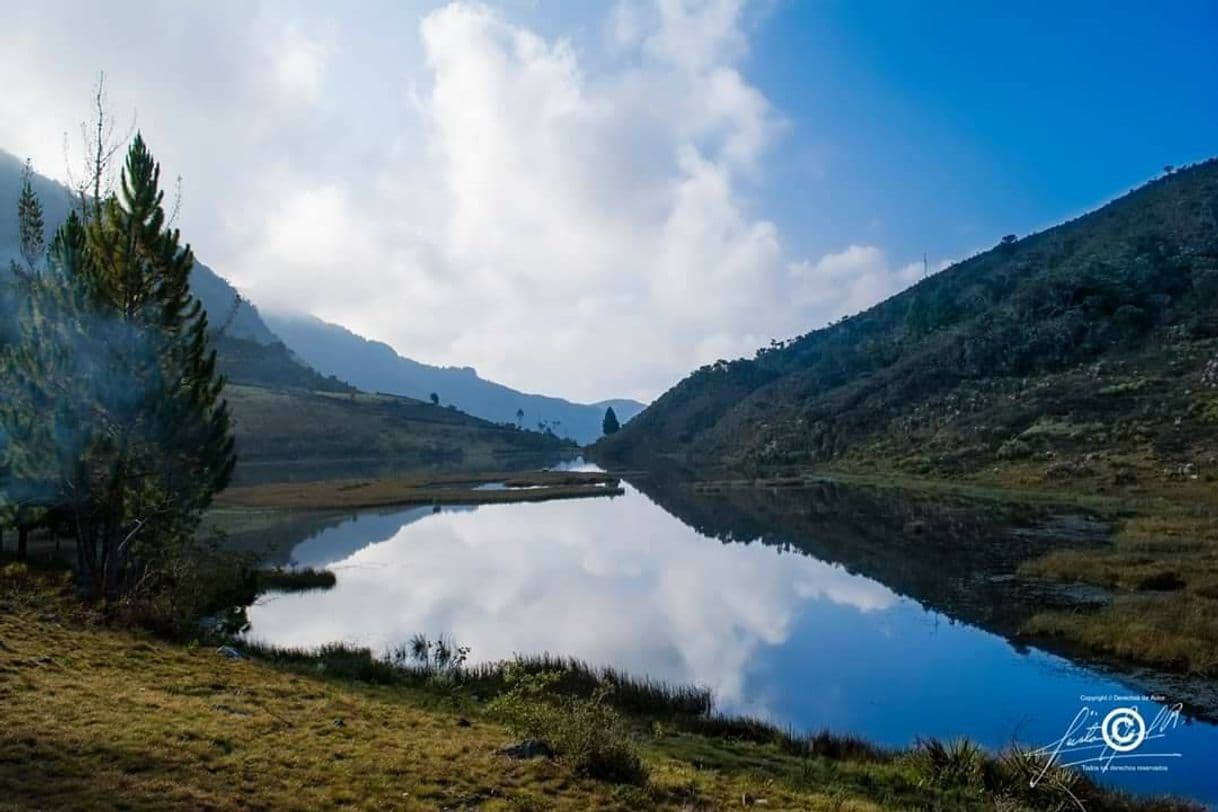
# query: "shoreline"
(441, 489)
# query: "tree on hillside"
(30, 227)
(520, 417)
(19, 503)
(610, 425)
(435, 399)
(112, 408)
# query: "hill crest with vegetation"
(1089, 347)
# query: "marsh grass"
(1162, 571)
(588, 733)
(1161, 567)
(420, 660)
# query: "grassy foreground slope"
(1097, 337)
(289, 425)
(100, 718)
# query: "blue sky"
(592, 199)
(939, 126)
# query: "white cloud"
(459, 185)
(851, 280)
(298, 62)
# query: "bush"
(295, 580)
(194, 581)
(1014, 449)
(588, 734)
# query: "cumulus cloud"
(571, 217)
(298, 62)
(851, 280)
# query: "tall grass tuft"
(637, 695)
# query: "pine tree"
(30, 226)
(118, 420)
(21, 489)
(610, 425)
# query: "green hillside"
(298, 426)
(1087, 349)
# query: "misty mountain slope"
(1097, 337)
(219, 298)
(376, 367)
(248, 352)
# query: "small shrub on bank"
(198, 581)
(629, 694)
(589, 734)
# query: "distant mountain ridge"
(1089, 349)
(376, 367)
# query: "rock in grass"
(529, 748)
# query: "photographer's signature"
(1096, 739)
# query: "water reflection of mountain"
(956, 556)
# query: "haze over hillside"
(224, 307)
(308, 354)
(1087, 349)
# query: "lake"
(817, 607)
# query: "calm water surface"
(777, 627)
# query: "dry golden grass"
(1162, 569)
(99, 718)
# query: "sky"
(592, 199)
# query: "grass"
(570, 677)
(297, 426)
(1162, 572)
(99, 717)
(437, 489)
(1161, 567)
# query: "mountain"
(356, 433)
(317, 355)
(1089, 349)
(224, 306)
(376, 367)
(248, 352)
(286, 414)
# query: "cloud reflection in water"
(616, 582)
